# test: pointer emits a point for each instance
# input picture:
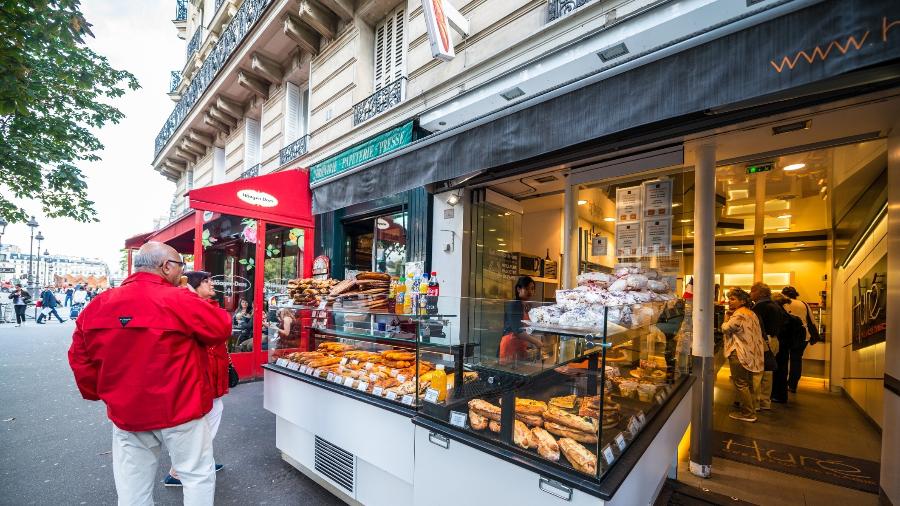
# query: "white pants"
(214, 417)
(136, 458)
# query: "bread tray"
(611, 329)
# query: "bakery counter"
(357, 446)
(633, 475)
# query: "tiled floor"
(813, 418)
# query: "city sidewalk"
(56, 446)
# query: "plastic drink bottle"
(439, 382)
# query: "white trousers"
(214, 417)
(136, 459)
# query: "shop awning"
(280, 197)
(179, 234)
(136, 241)
(763, 63)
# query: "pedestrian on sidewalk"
(792, 343)
(69, 293)
(771, 318)
(142, 350)
(20, 298)
(48, 306)
(744, 349)
(200, 282)
(801, 310)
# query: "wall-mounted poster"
(628, 203)
(628, 240)
(869, 305)
(657, 237)
(599, 246)
(657, 199)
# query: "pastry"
(379, 276)
(494, 426)
(522, 436)
(578, 423)
(579, 456)
(546, 444)
(563, 431)
(477, 421)
(342, 287)
(398, 355)
(322, 362)
(530, 406)
(485, 409)
(565, 402)
(469, 376)
(530, 420)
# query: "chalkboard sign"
(502, 264)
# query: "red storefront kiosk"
(253, 235)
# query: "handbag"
(233, 378)
(814, 336)
(770, 364)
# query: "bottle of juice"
(392, 296)
(400, 290)
(410, 295)
(439, 382)
(423, 294)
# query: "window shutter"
(291, 113)
(399, 43)
(218, 165)
(303, 128)
(379, 54)
(390, 47)
(251, 143)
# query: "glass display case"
(570, 397)
(392, 358)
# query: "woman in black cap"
(799, 309)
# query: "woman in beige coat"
(744, 348)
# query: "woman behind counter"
(744, 349)
(515, 341)
(243, 323)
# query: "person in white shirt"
(799, 309)
(79, 297)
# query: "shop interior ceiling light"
(784, 216)
(782, 229)
(545, 179)
(582, 202)
(609, 219)
(791, 127)
(794, 166)
(512, 93)
(613, 52)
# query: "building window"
(296, 112)
(251, 143)
(390, 47)
(218, 165)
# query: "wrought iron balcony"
(219, 4)
(251, 172)
(560, 8)
(380, 101)
(293, 150)
(246, 17)
(194, 43)
(174, 79)
(180, 10)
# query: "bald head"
(159, 258)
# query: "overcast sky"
(138, 36)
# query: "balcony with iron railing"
(251, 172)
(194, 43)
(559, 8)
(180, 10)
(383, 99)
(231, 37)
(293, 150)
(174, 80)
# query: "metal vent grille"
(335, 463)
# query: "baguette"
(476, 421)
(522, 437)
(530, 420)
(485, 409)
(494, 426)
(323, 362)
(579, 456)
(546, 444)
(563, 431)
(578, 423)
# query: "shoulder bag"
(233, 378)
(769, 358)
(814, 336)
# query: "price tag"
(344, 361)
(281, 362)
(369, 366)
(303, 368)
(341, 369)
(660, 397)
(293, 366)
(309, 370)
(633, 426)
(641, 418)
(354, 362)
(373, 377)
(608, 455)
(330, 377)
(620, 441)
(348, 381)
(391, 396)
(401, 378)
(431, 395)
(363, 386)
(393, 373)
(317, 373)
(378, 391)
(408, 400)
(458, 419)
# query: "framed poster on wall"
(869, 306)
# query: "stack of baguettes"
(368, 292)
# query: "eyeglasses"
(180, 263)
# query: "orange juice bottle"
(400, 290)
(439, 382)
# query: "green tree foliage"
(54, 92)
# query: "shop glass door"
(283, 258)
(376, 244)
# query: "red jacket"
(217, 372)
(142, 349)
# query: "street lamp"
(47, 261)
(33, 224)
(3, 224)
(39, 237)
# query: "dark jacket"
(26, 297)
(513, 314)
(771, 316)
(48, 299)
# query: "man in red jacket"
(141, 349)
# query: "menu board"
(628, 239)
(657, 237)
(502, 263)
(657, 201)
(628, 203)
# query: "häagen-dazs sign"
(257, 198)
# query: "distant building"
(45, 267)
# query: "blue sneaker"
(219, 467)
(169, 481)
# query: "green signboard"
(362, 153)
(756, 169)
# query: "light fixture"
(801, 244)
(501, 239)
(676, 204)
(782, 229)
(784, 216)
(794, 166)
(512, 93)
(506, 214)
(797, 249)
(453, 199)
(686, 220)
(609, 219)
(821, 181)
(748, 252)
(679, 251)
(734, 248)
(791, 127)
(582, 202)
(492, 230)
(823, 189)
(613, 52)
